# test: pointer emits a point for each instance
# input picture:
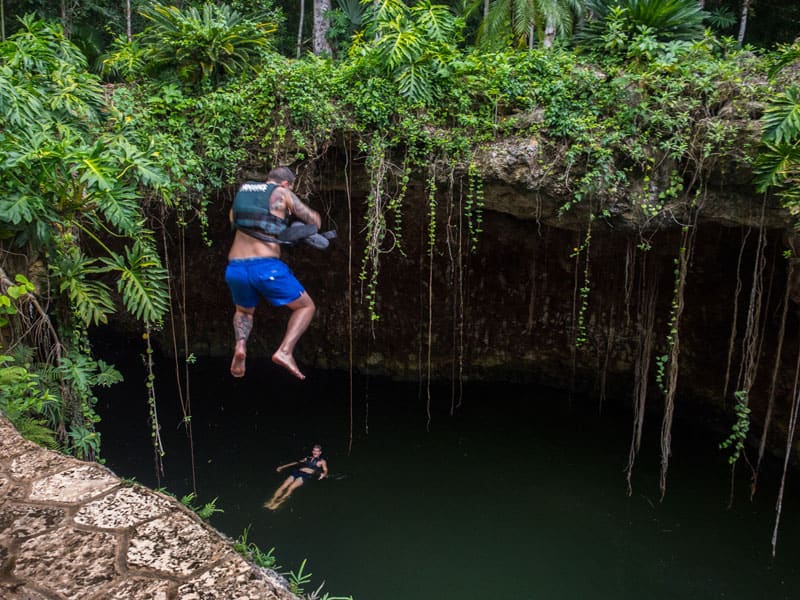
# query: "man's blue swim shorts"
(269, 277)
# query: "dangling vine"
(473, 207)
(431, 251)
(773, 383)
(155, 426)
(629, 277)
(452, 276)
(347, 178)
(379, 202)
(790, 433)
(181, 377)
(582, 299)
(645, 322)
(668, 364)
(748, 366)
(735, 317)
(606, 357)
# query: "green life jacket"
(251, 214)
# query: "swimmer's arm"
(303, 212)
(286, 466)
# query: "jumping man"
(260, 213)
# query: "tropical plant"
(413, 45)
(345, 20)
(69, 198)
(612, 24)
(778, 164)
(524, 23)
(253, 553)
(23, 397)
(206, 511)
(202, 46)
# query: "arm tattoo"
(304, 213)
(242, 325)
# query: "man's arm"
(323, 464)
(286, 466)
(301, 211)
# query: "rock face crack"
(72, 530)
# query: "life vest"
(251, 214)
(311, 463)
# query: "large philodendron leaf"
(18, 208)
(142, 282)
(776, 164)
(90, 299)
(782, 117)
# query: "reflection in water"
(515, 497)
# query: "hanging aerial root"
(751, 343)
(735, 316)
(645, 323)
(678, 304)
(772, 386)
(789, 444)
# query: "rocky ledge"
(73, 530)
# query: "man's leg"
(273, 502)
(242, 325)
(303, 310)
(284, 492)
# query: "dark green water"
(518, 496)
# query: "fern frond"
(36, 431)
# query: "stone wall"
(73, 530)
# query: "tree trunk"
(2, 21)
(743, 23)
(321, 26)
(128, 30)
(300, 28)
(549, 34)
(64, 23)
(485, 9)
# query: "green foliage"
(614, 25)
(473, 206)
(778, 165)
(23, 399)
(206, 511)
(583, 292)
(73, 182)
(253, 553)
(738, 435)
(201, 46)
(522, 23)
(345, 19)
(412, 45)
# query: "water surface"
(519, 495)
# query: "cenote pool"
(520, 495)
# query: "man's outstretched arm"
(303, 212)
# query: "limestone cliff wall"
(510, 308)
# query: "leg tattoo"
(242, 325)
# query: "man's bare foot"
(237, 365)
(287, 362)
